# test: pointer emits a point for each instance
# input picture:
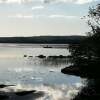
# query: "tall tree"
(86, 55)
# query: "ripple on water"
(41, 92)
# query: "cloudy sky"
(44, 17)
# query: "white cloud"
(48, 1)
(62, 16)
(70, 1)
(16, 1)
(37, 7)
(85, 1)
(20, 16)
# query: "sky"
(44, 17)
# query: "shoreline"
(76, 71)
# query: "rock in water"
(22, 93)
(3, 86)
(41, 56)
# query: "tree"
(86, 55)
(89, 49)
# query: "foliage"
(86, 55)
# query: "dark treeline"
(86, 59)
(43, 39)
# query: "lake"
(20, 66)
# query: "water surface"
(31, 72)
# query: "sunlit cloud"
(85, 1)
(70, 1)
(47, 1)
(37, 7)
(20, 16)
(62, 16)
(16, 1)
(43, 16)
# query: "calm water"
(43, 75)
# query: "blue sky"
(44, 17)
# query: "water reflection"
(30, 73)
(52, 62)
(41, 92)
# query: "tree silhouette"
(86, 55)
(86, 58)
